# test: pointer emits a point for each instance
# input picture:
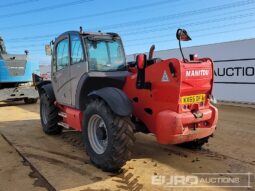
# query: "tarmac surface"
(31, 160)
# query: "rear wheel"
(30, 100)
(196, 144)
(49, 115)
(108, 138)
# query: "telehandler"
(94, 90)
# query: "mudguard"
(48, 89)
(116, 99)
(42, 85)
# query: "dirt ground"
(31, 160)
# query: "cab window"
(76, 49)
(62, 57)
(105, 55)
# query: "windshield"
(105, 55)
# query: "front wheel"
(108, 138)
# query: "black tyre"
(108, 138)
(30, 100)
(196, 144)
(49, 115)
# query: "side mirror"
(182, 35)
(48, 50)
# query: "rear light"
(193, 57)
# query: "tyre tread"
(123, 138)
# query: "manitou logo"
(192, 73)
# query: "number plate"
(193, 99)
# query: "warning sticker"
(165, 77)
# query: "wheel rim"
(97, 134)
(44, 113)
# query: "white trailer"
(234, 67)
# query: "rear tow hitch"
(197, 114)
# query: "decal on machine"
(193, 73)
(165, 77)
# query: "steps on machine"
(62, 114)
(65, 125)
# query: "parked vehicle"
(94, 90)
(16, 77)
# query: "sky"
(30, 24)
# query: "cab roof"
(85, 33)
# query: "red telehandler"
(95, 91)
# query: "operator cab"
(83, 62)
(103, 52)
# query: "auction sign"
(235, 80)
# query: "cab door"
(78, 63)
(61, 71)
